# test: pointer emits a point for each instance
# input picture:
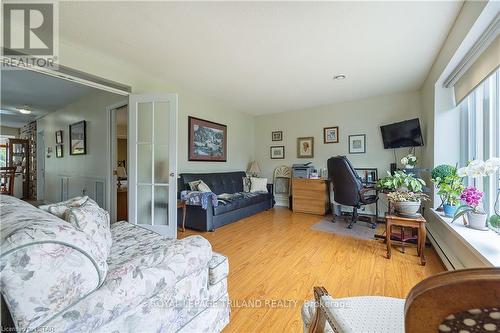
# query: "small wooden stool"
(415, 222)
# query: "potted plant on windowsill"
(450, 189)
(438, 175)
(476, 217)
(405, 192)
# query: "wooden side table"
(416, 222)
(182, 204)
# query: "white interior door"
(152, 192)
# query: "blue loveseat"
(226, 212)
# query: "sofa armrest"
(198, 218)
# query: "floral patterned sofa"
(57, 276)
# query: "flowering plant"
(410, 160)
(472, 197)
(478, 168)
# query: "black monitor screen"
(403, 134)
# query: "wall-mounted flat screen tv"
(403, 134)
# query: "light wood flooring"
(275, 255)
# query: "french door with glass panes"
(153, 162)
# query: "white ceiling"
(42, 93)
(263, 57)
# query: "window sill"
(486, 244)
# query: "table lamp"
(254, 169)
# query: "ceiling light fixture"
(339, 77)
(24, 110)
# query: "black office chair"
(349, 189)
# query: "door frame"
(111, 122)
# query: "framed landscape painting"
(78, 138)
(207, 141)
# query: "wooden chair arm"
(319, 319)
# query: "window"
(480, 133)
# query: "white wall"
(92, 109)
(191, 103)
(356, 117)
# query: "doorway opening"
(119, 155)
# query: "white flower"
(462, 172)
(476, 169)
(404, 161)
(491, 166)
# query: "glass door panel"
(153, 163)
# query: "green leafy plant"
(450, 188)
(442, 171)
(401, 181)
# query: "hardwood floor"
(275, 255)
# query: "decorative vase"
(449, 210)
(477, 220)
(407, 208)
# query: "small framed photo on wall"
(59, 137)
(59, 151)
(277, 152)
(357, 144)
(277, 136)
(331, 134)
(305, 147)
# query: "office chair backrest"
(346, 183)
(467, 300)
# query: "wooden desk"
(310, 196)
(417, 222)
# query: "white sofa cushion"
(58, 209)
(92, 220)
(46, 265)
(258, 184)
